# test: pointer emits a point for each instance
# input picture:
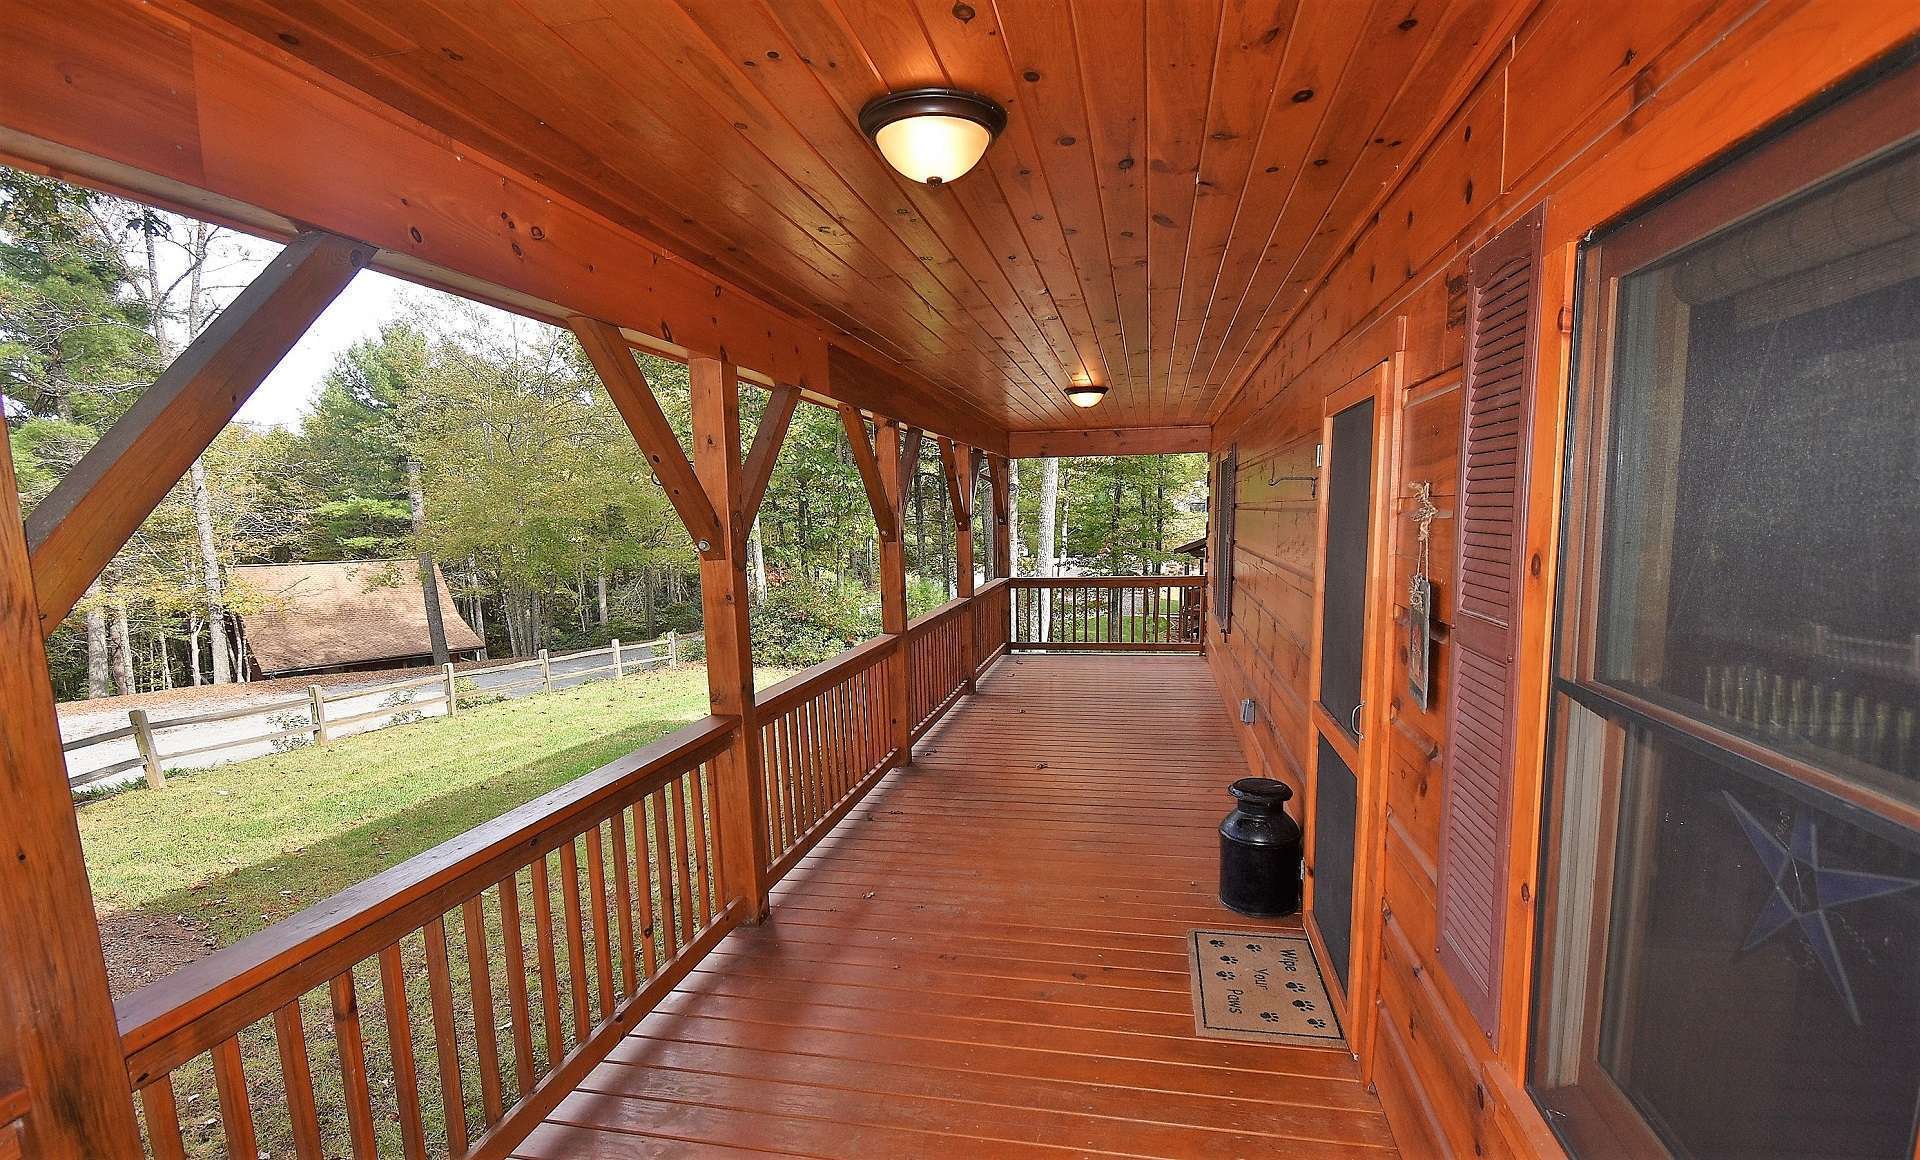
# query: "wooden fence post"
(618, 672)
(319, 702)
(546, 673)
(453, 696)
(149, 752)
(673, 647)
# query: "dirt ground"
(142, 947)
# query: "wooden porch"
(987, 956)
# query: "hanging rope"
(1418, 588)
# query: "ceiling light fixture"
(1086, 394)
(932, 135)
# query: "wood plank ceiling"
(1174, 175)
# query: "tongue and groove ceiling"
(1174, 176)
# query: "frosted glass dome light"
(933, 135)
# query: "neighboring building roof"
(300, 617)
(1194, 547)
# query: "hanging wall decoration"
(1420, 603)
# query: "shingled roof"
(303, 617)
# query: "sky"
(369, 300)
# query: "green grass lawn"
(239, 846)
(236, 847)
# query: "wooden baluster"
(776, 787)
(1796, 714)
(1859, 732)
(406, 1076)
(683, 888)
(1836, 720)
(556, 1034)
(669, 905)
(702, 864)
(296, 1072)
(602, 939)
(453, 1101)
(816, 768)
(163, 1120)
(576, 939)
(515, 959)
(643, 886)
(473, 922)
(236, 1111)
(623, 904)
(790, 776)
(353, 1065)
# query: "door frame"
(1366, 757)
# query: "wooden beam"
(58, 1037)
(75, 531)
(957, 498)
(767, 441)
(1002, 517)
(867, 384)
(888, 451)
(866, 459)
(957, 465)
(613, 359)
(1108, 441)
(740, 810)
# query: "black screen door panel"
(1343, 611)
(1335, 802)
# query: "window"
(1730, 958)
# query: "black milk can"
(1260, 851)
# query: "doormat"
(1261, 988)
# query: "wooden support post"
(618, 671)
(673, 647)
(318, 702)
(546, 673)
(957, 460)
(1002, 517)
(149, 751)
(453, 691)
(740, 813)
(59, 1043)
(98, 506)
(889, 453)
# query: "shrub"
(803, 623)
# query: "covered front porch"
(988, 955)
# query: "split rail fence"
(321, 721)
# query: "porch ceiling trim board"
(179, 108)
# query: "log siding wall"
(1590, 109)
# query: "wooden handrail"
(1108, 581)
(933, 616)
(802, 685)
(166, 1023)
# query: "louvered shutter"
(1226, 482)
(1502, 334)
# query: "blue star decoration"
(1804, 890)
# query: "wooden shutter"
(1226, 477)
(1502, 336)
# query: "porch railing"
(438, 1008)
(320, 1014)
(1108, 613)
(824, 741)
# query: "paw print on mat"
(1305, 1004)
(1228, 959)
(1216, 942)
(1295, 985)
(1227, 975)
(1270, 1016)
(1320, 1023)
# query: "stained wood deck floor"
(988, 958)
